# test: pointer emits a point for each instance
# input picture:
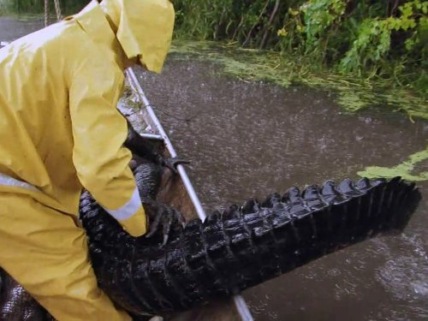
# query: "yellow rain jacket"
(61, 132)
(59, 126)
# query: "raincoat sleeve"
(99, 131)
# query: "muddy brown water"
(248, 139)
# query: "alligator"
(179, 267)
(242, 246)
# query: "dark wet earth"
(249, 139)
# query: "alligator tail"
(243, 246)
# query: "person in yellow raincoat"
(61, 132)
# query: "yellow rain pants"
(60, 132)
(56, 273)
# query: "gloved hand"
(163, 217)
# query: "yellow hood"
(143, 28)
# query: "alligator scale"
(234, 250)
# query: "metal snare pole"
(241, 305)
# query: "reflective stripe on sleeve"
(127, 210)
(10, 181)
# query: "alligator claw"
(161, 218)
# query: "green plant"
(373, 44)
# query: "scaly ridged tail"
(241, 247)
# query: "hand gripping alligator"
(228, 252)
